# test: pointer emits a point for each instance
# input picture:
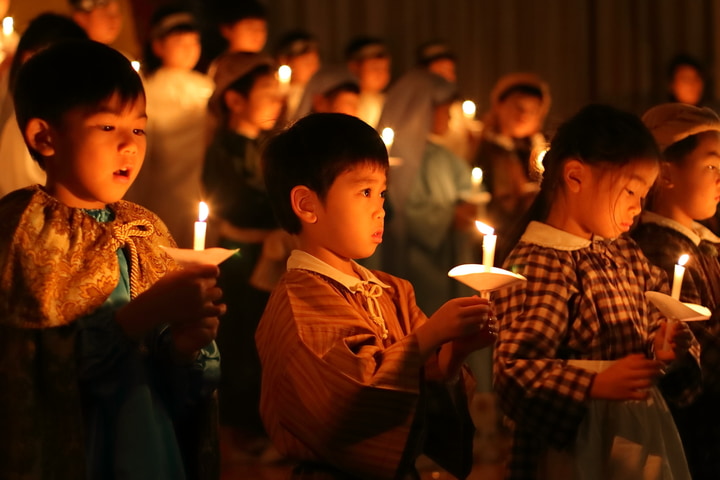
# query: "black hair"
(432, 51)
(230, 12)
(245, 84)
(361, 48)
(522, 88)
(69, 75)
(159, 31)
(43, 31)
(684, 60)
(295, 43)
(598, 135)
(313, 152)
(350, 87)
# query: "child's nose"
(129, 144)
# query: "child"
(108, 361)
(101, 19)
(579, 346)
(687, 190)
(430, 230)
(18, 167)
(243, 26)
(348, 358)
(300, 51)
(369, 60)
(247, 100)
(511, 135)
(177, 99)
(330, 90)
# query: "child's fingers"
(202, 271)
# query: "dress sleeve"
(540, 392)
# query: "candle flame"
(477, 174)
(388, 136)
(203, 212)
(8, 25)
(135, 65)
(683, 259)
(468, 108)
(483, 228)
(284, 73)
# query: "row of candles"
(488, 246)
(489, 239)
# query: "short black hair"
(313, 152)
(166, 20)
(43, 31)
(684, 60)
(69, 75)
(523, 89)
(364, 47)
(232, 11)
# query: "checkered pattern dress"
(584, 300)
(663, 242)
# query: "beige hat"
(671, 122)
(230, 67)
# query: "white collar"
(301, 260)
(696, 234)
(544, 235)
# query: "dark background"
(613, 51)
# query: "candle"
(201, 227)
(284, 76)
(476, 179)
(489, 241)
(679, 274)
(8, 26)
(388, 136)
(468, 108)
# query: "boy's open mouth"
(123, 172)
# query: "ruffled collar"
(544, 235)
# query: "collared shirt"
(584, 300)
(336, 393)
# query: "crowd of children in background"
(344, 343)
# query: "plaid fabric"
(582, 303)
(334, 392)
(698, 423)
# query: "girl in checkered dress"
(580, 351)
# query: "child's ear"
(234, 101)
(304, 203)
(574, 174)
(38, 136)
(665, 177)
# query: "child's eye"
(107, 128)
(139, 131)
(630, 192)
(383, 194)
(366, 192)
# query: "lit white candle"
(8, 26)
(388, 136)
(476, 177)
(201, 227)
(284, 76)
(468, 108)
(489, 241)
(679, 274)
